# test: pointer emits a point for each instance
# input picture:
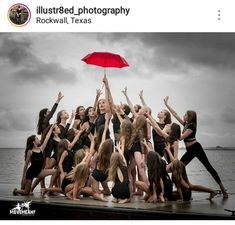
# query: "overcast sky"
(196, 70)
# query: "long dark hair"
(86, 117)
(167, 119)
(175, 133)
(192, 119)
(29, 145)
(139, 130)
(77, 117)
(155, 170)
(179, 172)
(58, 119)
(40, 120)
(62, 146)
(105, 152)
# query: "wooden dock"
(60, 208)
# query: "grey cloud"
(29, 67)
(179, 52)
(18, 120)
(228, 115)
(46, 72)
(206, 120)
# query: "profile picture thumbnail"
(19, 15)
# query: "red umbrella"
(105, 59)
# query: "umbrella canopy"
(105, 59)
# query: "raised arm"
(43, 146)
(121, 151)
(141, 94)
(156, 126)
(49, 116)
(108, 95)
(118, 112)
(92, 149)
(144, 142)
(167, 149)
(77, 136)
(173, 112)
(106, 127)
(98, 94)
(129, 102)
(60, 164)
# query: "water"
(12, 162)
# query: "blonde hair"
(139, 129)
(179, 172)
(78, 156)
(105, 152)
(81, 173)
(116, 161)
(126, 131)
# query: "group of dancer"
(79, 154)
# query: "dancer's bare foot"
(115, 200)
(124, 201)
(161, 198)
(225, 194)
(43, 192)
(99, 197)
(212, 195)
(138, 192)
(14, 191)
(106, 192)
(69, 196)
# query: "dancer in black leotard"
(118, 173)
(194, 148)
(100, 173)
(160, 186)
(137, 150)
(34, 157)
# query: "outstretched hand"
(73, 114)
(125, 91)
(144, 142)
(105, 80)
(60, 96)
(98, 92)
(166, 100)
(91, 137)
(167, 147)
(141, 94)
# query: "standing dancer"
(137, 149)
(194, 148)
